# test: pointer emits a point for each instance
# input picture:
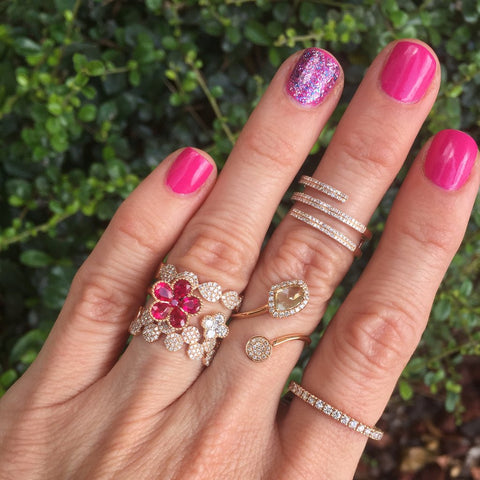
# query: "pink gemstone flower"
(174, 302)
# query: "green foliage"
(95, 93)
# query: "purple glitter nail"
(313, 77)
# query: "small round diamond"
(231, 299)
(166, 272)
(151, 332)
(210, 291)
(190, 335)
(135, 326)
(258, 349)
(195, 351)
(173, 342)
(165, 327)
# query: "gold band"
(284, 299)
(346, 420)
(259, 348)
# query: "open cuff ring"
(284, 299)
(334, 212)
(259, 349)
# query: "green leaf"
(94, 68)
(405, 389)
(442, 309)
(154, 4)
(32, 340)
(25, 46)
(35, 258)
(257, 33)
(87, 113)
(8, 377)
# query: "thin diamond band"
(324, 188)
(327, 230)
(332, 211)
(341, 417)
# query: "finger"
(91, 330)
(369, 147)
(222, 241)
(369, 342)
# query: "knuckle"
(377, 342)
(99, 299)
(425, 234)
(303, 255)
(138, 230)
(264, 144)
(218, 248)
(376, 153)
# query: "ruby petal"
(181, 288)
(190, 305)
(159, 310)
(163, 291)
(178, 319)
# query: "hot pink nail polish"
(188, 172)
(450, 159)
(313, 77)
(408, 72)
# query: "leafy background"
(95, 93)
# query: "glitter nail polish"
(312, 78)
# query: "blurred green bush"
(94, 93)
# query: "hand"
(85, 410)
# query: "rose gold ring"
(259, 348)
(172, 300)
(284, 299)
(327, 409)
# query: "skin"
(84, 411)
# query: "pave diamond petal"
(151, 332)
(195, 351)
(210, 291)
(173, 342)
(191, 335)
(231, 300)
(166, 272)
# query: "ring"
(324, 188)
(284, 299)
(327, 409)
(259, 348)
(332, 211)
(210, 291)
(328, 230)
(172, 299)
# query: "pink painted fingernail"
(450, 159)
(408, 72)
(188, 172)
(314, 75)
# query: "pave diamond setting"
(370, 432)
(258, 349)
(287, 298)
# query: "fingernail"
(188, 172)
(450, 159)
(408, 72)
(314, 75)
